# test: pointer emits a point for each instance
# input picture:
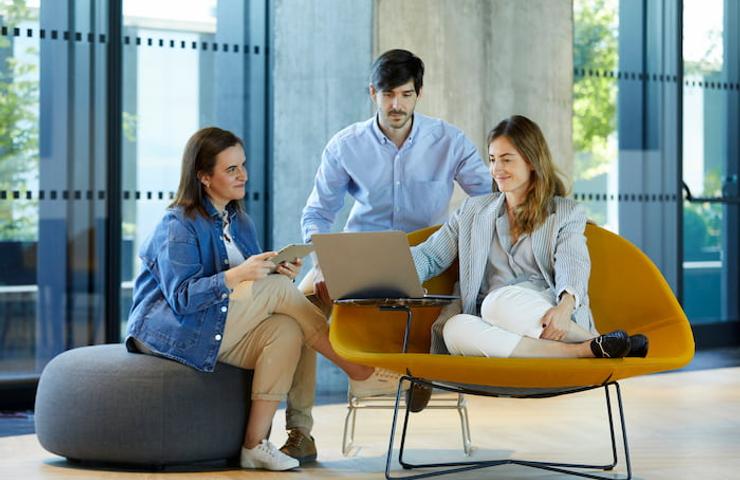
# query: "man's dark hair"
(396, 67)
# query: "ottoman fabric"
(104, 404)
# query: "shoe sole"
(307, 459)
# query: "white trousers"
(507, 315)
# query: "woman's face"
(511, 172)
(229, 176)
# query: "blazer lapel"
(542, 242)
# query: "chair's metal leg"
(624, 432)
(348, 439)
(403, 432)
(462, 410)
(564, 468)
(393, 430)
(611, 429)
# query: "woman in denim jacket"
(207, 293)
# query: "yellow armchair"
(626, 291)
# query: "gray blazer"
(559, 246)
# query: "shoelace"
(384, 374)
(269, 448)
(295, 439)
(604, 353)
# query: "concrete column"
(322, 51)
(321, 61)
(489, 59)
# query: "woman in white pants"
(524, 264)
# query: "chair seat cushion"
(104, 404)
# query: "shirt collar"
(380, 136)
(213, 212)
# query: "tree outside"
(19, 119)
(595, 97)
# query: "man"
(399, 166)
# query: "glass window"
(52, 181)
(709, 166)
(595, 136)
(187, 64)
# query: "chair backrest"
(627, 291)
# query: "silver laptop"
(368, 265)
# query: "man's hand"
(319, 286)
(254, 268)
(557, 320)
(290, 269)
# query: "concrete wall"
(322, 51)
(489, 59)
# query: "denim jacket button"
(226, 261)
(223, 296)
(218, 337)
(223, 309)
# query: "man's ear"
(371, 89)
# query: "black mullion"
(114, 95)
(679, 154)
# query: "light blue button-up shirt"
(405, 188)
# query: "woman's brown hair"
(199, 158)
(545, 183)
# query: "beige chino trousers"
(268, 324)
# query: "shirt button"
(218, 337)
(398, 183)
(223, 309)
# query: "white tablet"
(290, 252)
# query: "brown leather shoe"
(300, 447)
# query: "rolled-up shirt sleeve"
(472, 173)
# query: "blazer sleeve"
(439, 251)
(572, 263)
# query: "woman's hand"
(254, 268)
(290, 269)
(557, 320)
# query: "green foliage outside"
(594, 98)
(19, 136)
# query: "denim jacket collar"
(214, 213)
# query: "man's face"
(395, 106)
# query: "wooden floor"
(680, 425)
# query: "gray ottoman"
(104, 404)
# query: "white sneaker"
(380, 382)
(267, 457)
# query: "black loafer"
(417, 397)
(638, 346)
(614, 344)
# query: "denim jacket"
(180, 300)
